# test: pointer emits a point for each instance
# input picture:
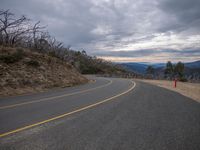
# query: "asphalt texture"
(146, 118)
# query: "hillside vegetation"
(23, 70)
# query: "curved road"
(109, 113)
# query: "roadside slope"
(23, 71)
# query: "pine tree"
(169, 70)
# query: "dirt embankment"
(191, 90)
(24, 71)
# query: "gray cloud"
(187, 11)
(144, 28)
(149, 52)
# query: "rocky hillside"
(23, 70)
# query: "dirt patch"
(191, 90)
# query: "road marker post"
(175, 83)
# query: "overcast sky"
(120, 30)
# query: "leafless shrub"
(22, 32)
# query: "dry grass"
(30, 71)
(191, 90)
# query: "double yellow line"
(69, 113)
(54, 97)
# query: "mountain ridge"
(140, 67)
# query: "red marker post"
(175, 82)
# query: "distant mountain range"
(140, 68)
(195, 64)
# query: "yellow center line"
(60, 96)
(69, 113)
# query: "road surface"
(108, 114)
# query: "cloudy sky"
(120, 30)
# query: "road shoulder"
(191, 90)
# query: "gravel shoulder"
(191, 90)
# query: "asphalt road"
(107, 114)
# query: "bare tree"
(37, 29)
(21, 32)
(11, 28)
